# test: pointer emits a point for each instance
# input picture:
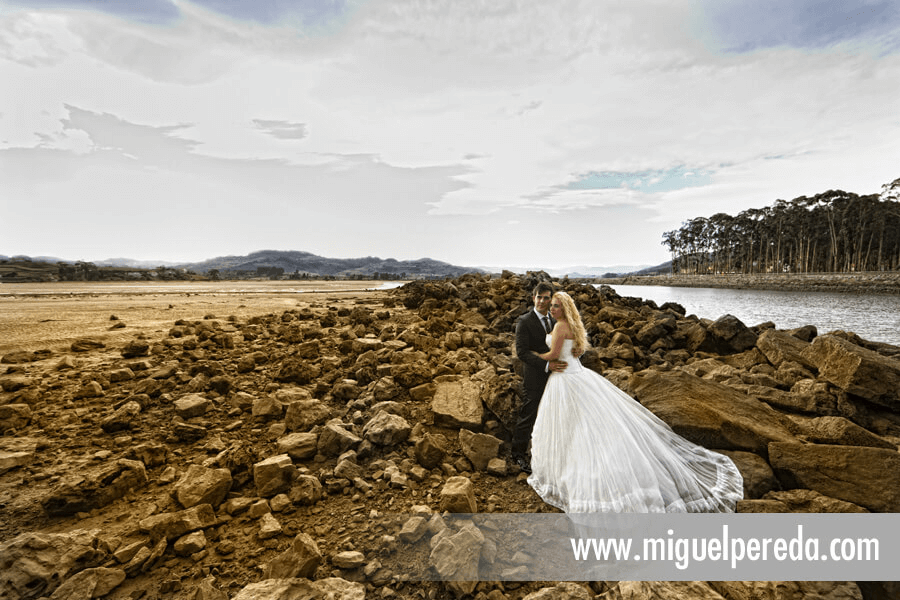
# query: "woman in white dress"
(596, 449)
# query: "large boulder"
(732, 334)
(333, 588)
(386, 429)
(479, 448)
(781, 346)
(34, 564)
(856, 474)
(711, 414)
(82, 493)
(856, 370)
(300, 560)
(306, 413)
(457, 404)
(202, 485)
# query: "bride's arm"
(556, 344)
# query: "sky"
(509, 133)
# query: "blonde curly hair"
(573, 318)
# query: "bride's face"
(556, 310)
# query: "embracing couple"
(593, 447)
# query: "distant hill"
(663, 269)
(306, 262)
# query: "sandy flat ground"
(37, 316)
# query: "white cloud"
(426, 128)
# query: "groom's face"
(542, 302)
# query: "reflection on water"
(871, 316)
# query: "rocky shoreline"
(886, 282)
(257, 457)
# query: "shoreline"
(876, 282)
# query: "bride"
(595, 449)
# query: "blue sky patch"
(746, 25)
(310, 13)
(645, 181)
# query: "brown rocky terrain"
(260, 454)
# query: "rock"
(92, 389)
(808, 501)
(299, 446)
(759, 479)
(411, 375)
(122, 418)
(334, 439)
(86, 345)
(190, 543)
(413, 529)
(66, 363)
(14, 416)
(14, 383)
(856, 370)
(34, 564)
(306, 490)
(136, 348)
(90, 583)
(838, 430)
(458, 496)
(349, 559)
(772, 590)
(274, 475)
(192, 405)
(173, 525)
(202, 485)
(733, 335)
(16, 452)
(457, 404)
(297, 371)
(82, 493)
(479, 448)
(300, 560)
(207, 590)
(709, 413)
(498, 467)
(387, 429)
(269, 527)
(332, 588)
(565, 590)
(303, 414)
(455, 558)
(852, 473)
(781, 346)
(18, 357)
(430, 450)
(267, 408)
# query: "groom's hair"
(541, 288)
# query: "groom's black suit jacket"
(531, 339)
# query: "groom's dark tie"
(547, 327)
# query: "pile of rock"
(254, 458)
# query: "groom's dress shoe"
(522, 463)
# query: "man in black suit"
(531, 339)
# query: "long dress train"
(596, 449)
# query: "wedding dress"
(596, 449)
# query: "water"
(871, 316)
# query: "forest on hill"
(831, 232)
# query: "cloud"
(427, 127)
(282, 130)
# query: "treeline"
(834, 231)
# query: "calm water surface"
(871, 316)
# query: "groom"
(531, 335)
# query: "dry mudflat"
(37, 316)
